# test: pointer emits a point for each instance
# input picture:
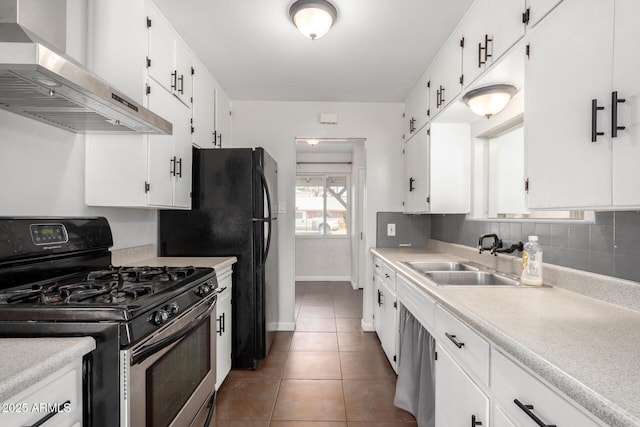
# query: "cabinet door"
(449, 168)
(223, 344)
(445, 77)
(161, 49)
(626, 69)
(538, 9)
(183, 155)
(500, 419)
(505, 25)
(475, 32)
(416, 160)
(161, 163)
(223, 117)
(377, 306)
(203, 109)
(569, 66)
(184, 67)
(459, 401)
(417, 107)
(390, 328)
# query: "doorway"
(330, 210)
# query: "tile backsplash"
(610, 245)
(411, 230)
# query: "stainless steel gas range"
(154, 364)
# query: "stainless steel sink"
(472, 278)
(426, 267)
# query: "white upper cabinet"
(223, 117)
(204, 108)
(538, 9)
(489, 29)
(437, 169)
(416, 180)
(568, 81)
(169, 60)
(446, 73)
(416, 109)
(169, 181)
(626, 84)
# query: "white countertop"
(25, 361)
(218, 263)
(587, 348)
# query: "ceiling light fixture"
(489, 100)
(313, 18)
(312, 142)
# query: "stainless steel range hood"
(38, 82)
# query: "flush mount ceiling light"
(312, 142)
(489, 100)
(313, 18)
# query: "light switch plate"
(391, 230)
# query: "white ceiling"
(375, 52)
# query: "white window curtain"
(415, 388)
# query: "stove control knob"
(159, 317)
(204, 289)
(172, 308)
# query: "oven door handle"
(148, 350)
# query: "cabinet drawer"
(418, 303)
(54, 391)
(377, 266)
(389, 276)
(469, 349)
(511, 382)
(224, 277)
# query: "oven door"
(169, 378)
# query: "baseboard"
(355, 286)
(367, 327)
(285, 326)
(323, 279)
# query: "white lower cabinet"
(459, 401)
(385, 310)
(57, 396)
(500, 419)
(224, 325)
(528, 401)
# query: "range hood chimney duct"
(39, 81)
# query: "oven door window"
(173, 378)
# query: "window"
(322, 205)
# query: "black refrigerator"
(234, 214)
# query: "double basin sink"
(462, 274)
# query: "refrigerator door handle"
(265, 186)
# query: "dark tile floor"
(328, 373)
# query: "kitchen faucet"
(496, 245)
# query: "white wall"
(275, 126)
(42, 174)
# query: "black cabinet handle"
(487, 55)
(480, 55)
(527, 409)
(594, 120)
(172, 167)
(181, 90)
(411, 184)
(51, 414)
(179, 162)
(441, 95)
(475, 423)
(174, 80)
(438, 98)
(454, 340)
(219, 140)
(379, 298)
(221, 322)
(614, 114)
